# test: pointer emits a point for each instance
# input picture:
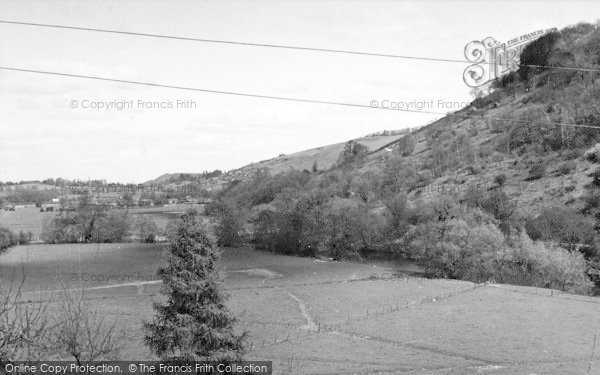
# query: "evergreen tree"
(193, 324)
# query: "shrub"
(455, 249)
(350, 227)
(562, 225)
(7, 239)
(596, 177)
(407, 144)
(591, 201)
(353, 152)
(526, 262)
(593, 154)
(230, 221)
(500, 179)
(567, 167)
(572, 154)
(497, 157)
(424, 178)
(145, 229)
(537, 171)
(474, 169)
(399, 214)
(475, 250)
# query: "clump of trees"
(87, 222)
(353, 153)
(468, 244)
(145, 229)
(346, 212)
(406, 145)
(7, 239)
(193, 324)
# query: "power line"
(285, 98)
(265, 45)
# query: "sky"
(53, 127)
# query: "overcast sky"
(41, 135)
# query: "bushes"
(456, 249)
(89, 222)
(305, 225)
(230, 222)
(593, 154)
(561, 225)
(536, 264)
(399, 212)
(474, 169)
(145, 229)
(567, 167)
(406, 145)
(474, 249)
(353, 152)
(7, 239)
(500, 179)
(537, 171)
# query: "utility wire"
(300, 48)
(285, 98)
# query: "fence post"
(592, 357)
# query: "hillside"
(510, 180)
(324, 156)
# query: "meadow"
(313, 316)
(26, 219)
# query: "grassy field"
(317, 317)
(26, 219)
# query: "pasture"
(310, 316)
(26, 219)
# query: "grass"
(310, 316)
(26, 219)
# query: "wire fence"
(368, 313)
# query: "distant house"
(172, 201)
(145, 202)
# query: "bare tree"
(24, 325)
(82, 332)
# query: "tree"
(24, 325)
(126, 200)
(7, 238)
(399, 213)
(83, 333)
(146, 229)
(113, 226)
(407, 144)
(230, 223)
(193, 324)
(87, 222)
(353, 152)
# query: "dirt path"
(311, 324)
